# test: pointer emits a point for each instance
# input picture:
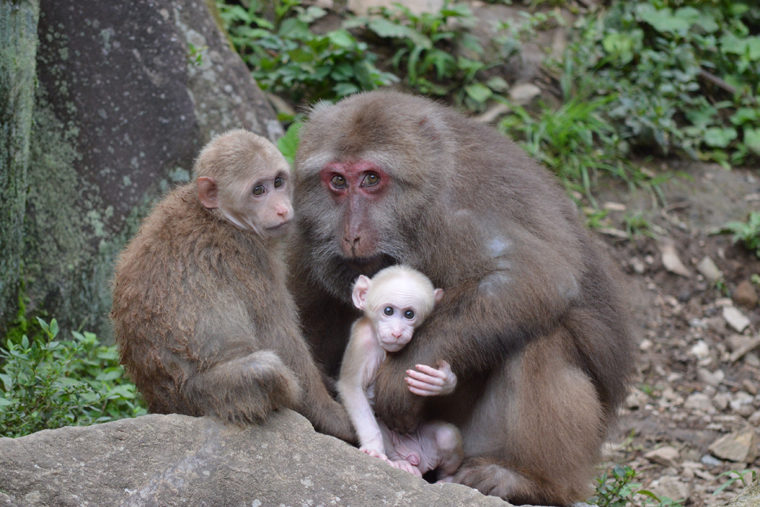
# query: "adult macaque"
(395, 302)
(530, 321)
(201, 312)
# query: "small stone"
(636, 399)
(700, 350)
(710, 378)
(745, 295)
(645, 345)
(671, 487)
(700, 402)
(735, 318)
(750, 386)
(721, 401)
(638, 266)
(523, 93)
(671, 261)
(709, 270)
(754, 419)
(739, 446)
(667, 456)
(710, 461)
(742, 403)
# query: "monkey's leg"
(245, 389)
(552, 428)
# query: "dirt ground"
(694, 406)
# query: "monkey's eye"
(338, 181)
(388, 311)
(258, 190)
(371, 179)
(278, 182)
(409, 314)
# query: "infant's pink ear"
(361, 288)
(438, 295)
(207, 192)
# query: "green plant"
(574, 141)
(683, 76)
(48, 383)
(748, 233)
(736, 476)
(618, 489)
(288, 144)
(436, 51)
(636, 224)
(286, 57)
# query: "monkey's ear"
(361, 288)
(207, 192)
(438, 295)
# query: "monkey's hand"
(429, 381)
(394, 403)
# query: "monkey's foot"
(490, 477)
(403, 464)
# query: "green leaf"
(384, 28)
(288, 144)
(718, 137)
(662, 20)
(497, 84)
(478, 92)
(343, 89)
(752, 140)
(341, 38)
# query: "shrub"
(48, 383)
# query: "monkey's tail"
(245, 389)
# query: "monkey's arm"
(360, 363)
(481, 321)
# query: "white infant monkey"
(395, 302)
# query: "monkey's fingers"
(428, 372)
(421, 388)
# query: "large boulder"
(128, 94)
(181, 460)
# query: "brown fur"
(201, 313)
(531, 320)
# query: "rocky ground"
(691, 419)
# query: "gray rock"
(739, 446)
(128, 94)
(709, 270)
(750, 497)
(745, 294)
(735, 318)
(181, 460)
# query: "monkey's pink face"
(264, 206)
(394, 326)
(357, 186)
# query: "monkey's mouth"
(278, 229)
(370, 265)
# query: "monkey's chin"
(370, 265)
(278, 230)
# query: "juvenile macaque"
(395, 302)
(531, 320)
(201, 313)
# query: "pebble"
(701, 402)
(700, 350)
(671, 487)
(671, 261)
(745, 295)
(709, 270)
(667, 456)
(711, 378)
(735, 318)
